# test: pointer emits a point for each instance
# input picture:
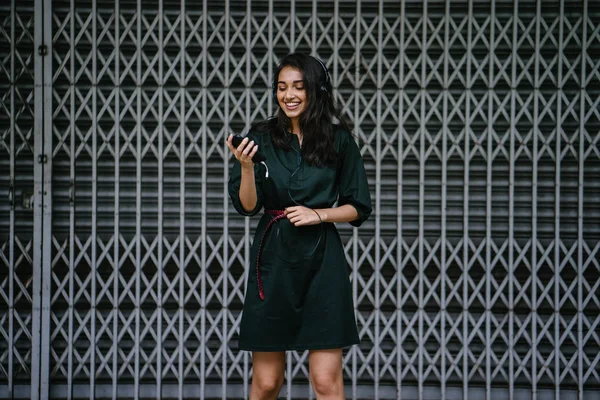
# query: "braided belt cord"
(277, 215)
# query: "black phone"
(258, 157)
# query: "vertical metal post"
(116, 230)
(557, 371)
(226, 129)
(399, 205)
(580, 193)
(421, 224)
(38, 176)
(313, 36)
(203, 303)
(138, 197)
(160, 217)
(72, 196)
(534, 199)
(336, 39)
(488, 209)
(270, 56)
(465, 248)
(444, 202)
(379, 129)
(182, 131)
(46, 241)
(11, 237)
(292, 25)
(94, 222)
(182, 190)
(41, 285)
(511, 201)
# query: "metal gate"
(122, 264)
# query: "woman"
(298, 295)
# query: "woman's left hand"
(301, 216)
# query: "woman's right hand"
(244, 152)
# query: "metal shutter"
(479, 122)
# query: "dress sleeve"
(353, 184)
(235, 178)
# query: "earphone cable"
(301, 205)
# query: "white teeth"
(291, 104)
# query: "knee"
(267, 387)
(327, 383)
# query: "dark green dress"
(308, 297)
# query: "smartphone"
(258, 157)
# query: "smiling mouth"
(292, 105)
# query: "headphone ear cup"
(324, 82)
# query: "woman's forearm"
(345, 213)
(248, 189)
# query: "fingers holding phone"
(243, 150)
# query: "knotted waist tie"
(277, 215)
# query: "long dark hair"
(317, 120)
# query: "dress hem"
(329, 346)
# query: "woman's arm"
(247, 191)
(300, 215)
(244, 153)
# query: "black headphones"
(324, 84)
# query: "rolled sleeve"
(353, 183)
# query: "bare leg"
(267, 374)
(326, 374)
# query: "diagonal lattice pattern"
(16, 191)
(479, 124)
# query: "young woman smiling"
(299, 296)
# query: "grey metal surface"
(478, 275)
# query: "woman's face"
(291, 94)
